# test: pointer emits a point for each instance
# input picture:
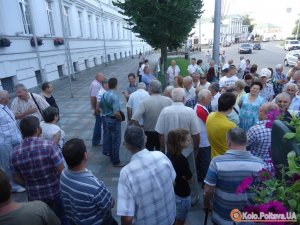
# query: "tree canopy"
(248, 21)
(161, 23)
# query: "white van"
(291, 45)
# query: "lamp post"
(217, 28)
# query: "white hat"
(225, 66)
(265, 72)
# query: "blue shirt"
(110, 103)
(146, 78)
(86, 199)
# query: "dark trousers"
(202, 162)
(57, 206)
(152, 140)
(97, 130)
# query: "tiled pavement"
(77, 121)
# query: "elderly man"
(145, 189)
(204, 154)
(188, 88)
(259, 136)
(27, 103)
(267, 92)
(225, 174)
(192, 67)
(280, 79)
(149, 111)
(135, 100)
(180, 116)
(168, 91)
(94, 89)
(10, 137)
(172, 72)
(214, 88)
(292, 90)
(196, 80)
(283, 101)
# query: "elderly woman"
(267, 91)
(283, 101)
(172, 72)
(239, 88)
(250, 104)
(50, 131)
(178, 82)
(292, 90)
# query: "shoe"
(119, 164)
(95, 145)
(106, 154)
(20, 190)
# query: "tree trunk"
(163, 59)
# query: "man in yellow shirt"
(217, 124)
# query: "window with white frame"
(90, 25)
(80, 23)
(25, 16)
(98, 27)
(67, 20)
(50, 17)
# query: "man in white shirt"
(204, 84)
(196, 80)
(192, 67)
(229, 79)
(135, 99)
(172, 72)
(189, 89)
(215, 92)
(242, 67)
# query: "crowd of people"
(204, 129)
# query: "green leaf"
(289, 135)
(292, 204)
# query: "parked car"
(291, 45)
(291, 58)
(245, 48)
(256, 46)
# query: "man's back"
(217, 126)
(150, 109)
(33, 213)
(145, 189)
(86, 199)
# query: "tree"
(162, 23)
(295, 29)
(248, 21)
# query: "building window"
(98, 27)
(50, 17)
(80, 23)
(90, 25)
(112, 30)
(67, 20)
(25, 16)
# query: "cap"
(265, 72)
(225, 66)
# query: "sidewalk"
(77, 121)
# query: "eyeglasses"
(202, 78)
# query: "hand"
(32, 110)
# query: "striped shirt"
(145, 189)
(86, 199)
(225, 173)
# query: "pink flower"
(264, 174)
(272, 116)
(244, 185)
(273, 207)
(252, 209)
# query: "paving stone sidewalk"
(77, 121)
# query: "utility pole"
(217, 29)
(297, 33)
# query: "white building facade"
(96, 34)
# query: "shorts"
(183, 206)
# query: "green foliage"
(294, 32)
(248, 21)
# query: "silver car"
(291, 58)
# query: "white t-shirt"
(228, 81)
(192, 68)
(242, 65)
(135, 99)
(173, 72)
(204, 86)
(50, 129)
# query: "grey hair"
(203, 93)
(282, 95)
(279, 66)
(141, 85)
(240, 84)
(290, 85)
(155, 87)
(134, 137)
(169, 89)
(237, 136)
(3, 94)
(188, 79)
(178, 95)
(20, 86)
(215, 86)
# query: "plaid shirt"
(259, 142)
(267, 92)
(36, 160)
(278, 87)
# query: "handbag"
(108, 106)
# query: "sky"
(270, 11)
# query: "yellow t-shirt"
(217, 126)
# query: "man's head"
(204, 97)
(230, 61)
(4, 97)
(168, 91)
(99, 77)
(242, 57)
(195, 77)
(30, 127)
(239, 86)
(236, 139)
(199, 62)
(212, 63)
(146, 70)
(187, 82)
(47, 87)
(193, 61)
(5, 188)
(291, 89)
(105, 84)
(178, 95)
(253, 69)
(265, 109)
(134, 138)
(264, 75)
(214, 88)
(74, 152)
(279, 68)
(141, 85)
(50, 114)
(173, 62)
(231, 71)
(112, 83)
(225, 102)
(155, 87)
(296, 76)
(131, 78)
(21, 92)
(283, 101)
(203, 79)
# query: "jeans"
(112, 139)
(105, 151)
(183, 206)
(97, 130)
(202, 162)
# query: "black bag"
(122, 115)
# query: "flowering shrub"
(58, 41)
